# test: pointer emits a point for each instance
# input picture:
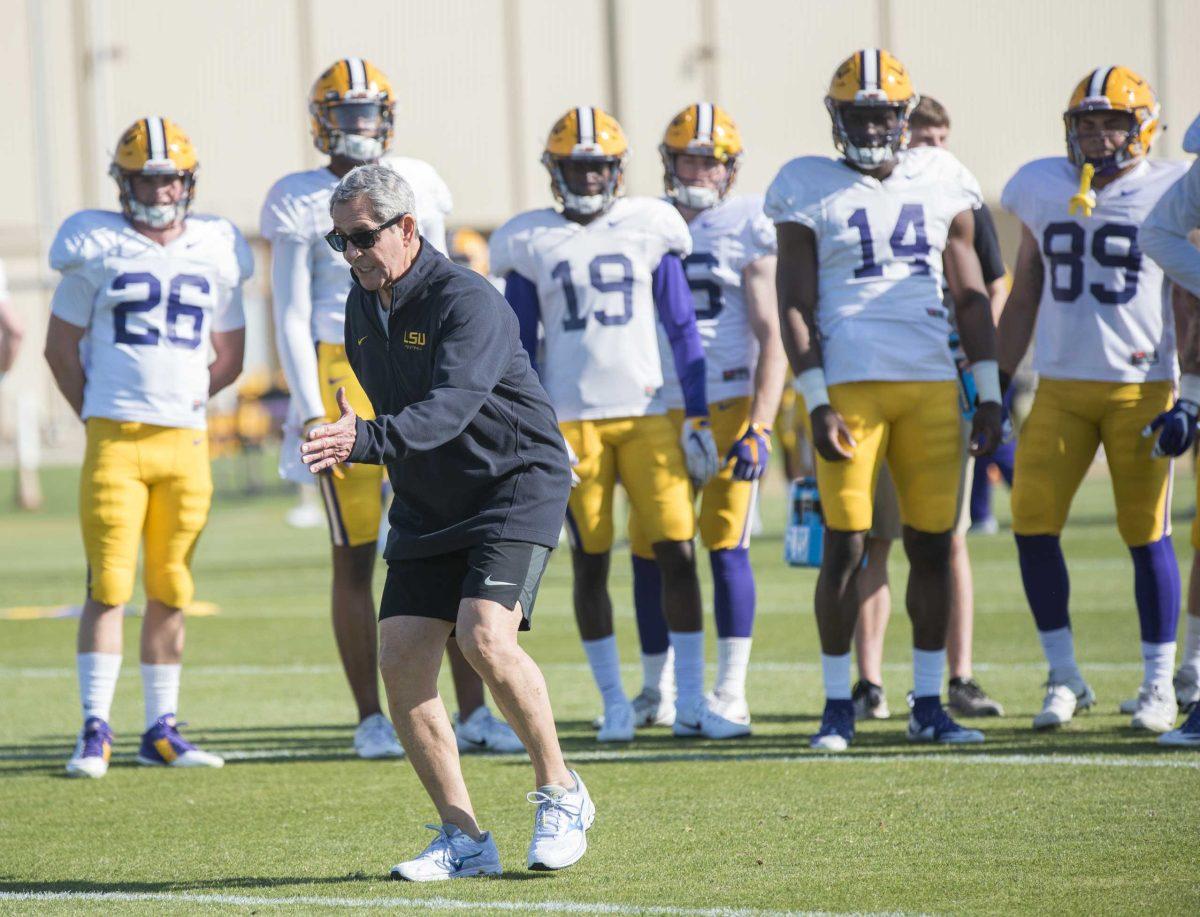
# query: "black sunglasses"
(364, 238)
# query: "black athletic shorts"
(507, 572)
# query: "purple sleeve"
(522, 295)
(677, 312)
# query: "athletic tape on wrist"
(810, 385)
(1189, 388)
(987, 380)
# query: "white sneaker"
(560, 826)
(93, 748)
(734, 709)
(650, 708)
(483, 732)
(1061, 701)
(1156, 708)
(451, 855)
(375, 738)
(701, 721)
(618, 723)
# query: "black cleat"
(966, 698)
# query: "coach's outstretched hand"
(987, 430)
(330, 444)
(831, 437)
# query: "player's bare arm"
(762, 308)
(12, 331)
(973, 312)
(1015, 329)
(796, 286)
(229, 349)
(62, 354)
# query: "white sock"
(836, 672)
(1191, 648)
(160, 688)
(658, 672)
(606, 668)
(733, 659)
(689, 666)
(928, 668)
(1059, 648)
(97, 682)
(1159, 662)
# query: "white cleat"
(375, 738)
(650, 708)
(734, 709)
(1156, 708)
(618, 723)
(560, 826)
(451, 855)
(93, 748)
(1061, 702)
(702, 722)
(483, 732)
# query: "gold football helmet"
(350, 108)
(870, 99)
(154, 146)
(703, 129)
(468, 248)
(1114, 89)
(586, 134)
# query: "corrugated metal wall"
(480, 82)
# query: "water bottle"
(804, 540)
(968, 395)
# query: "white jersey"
(725, 240)
(596, 302)
(149, 311)
(297, 207)
(1103, 314)
(880, 312)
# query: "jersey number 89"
(1063, 246)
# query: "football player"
(144, 295)
(600, 272)
(11, 328)
(351, 111)
(863, 244)
(1105, 358)
(1164, 236)
(731, 272)
(929, 125)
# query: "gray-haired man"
(481, 477)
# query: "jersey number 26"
(189, 337)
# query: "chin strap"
(1084, 201)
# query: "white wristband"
(987, 380)
(1189, 388)
(810, 385)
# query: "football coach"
(481, 476)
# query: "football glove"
(1176, 429)
(574, 460)
(750, 453)
(699, 450)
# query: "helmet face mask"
(705, 179)
(358, 130)
(585, 156)
(143, 203)
(869, 135)
(1097, 138)
(1111, 120)
(153, 154)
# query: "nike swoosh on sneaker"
(457, 862)
(493, 582)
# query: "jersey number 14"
(911, 221)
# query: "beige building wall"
(479, 83)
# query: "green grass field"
(1093, 819)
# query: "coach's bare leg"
(468, 686)
(162, 634)
(874, 610)
(410, 655)
(928, 595)
(101, 628)
(836, 600)
(487, 633)
(682, 605)
(960, 631)
(593, 607)
(354, 625)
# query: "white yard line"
(204, 671)
(437, 903)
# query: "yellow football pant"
(644, 453)
(353, 502)
(141, 481)
(1058, 442)
(725, 504)
(915, 426)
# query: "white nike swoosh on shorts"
(491, 582)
